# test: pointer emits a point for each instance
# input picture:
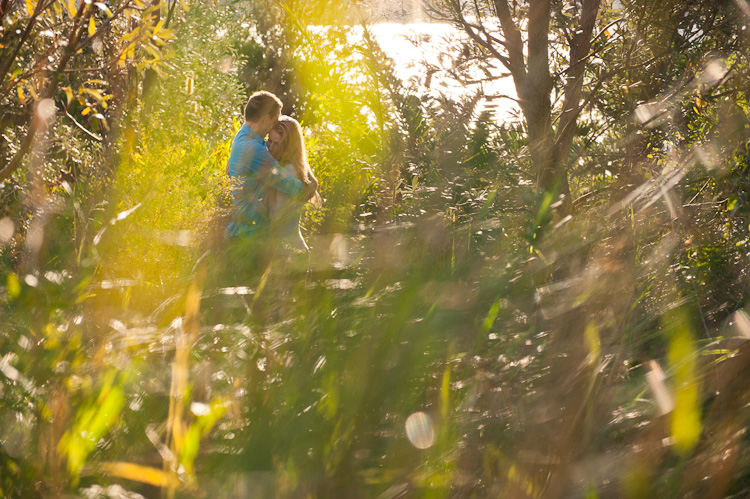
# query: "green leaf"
(685, 421)
(93, 421)
(13, 287)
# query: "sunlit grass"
(451, 334)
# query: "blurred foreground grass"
(452, 333)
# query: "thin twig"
(83, 128)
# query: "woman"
(286, 145)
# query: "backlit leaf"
(13, 287)
(103, 7)
(93, 421)
(96, 94)
(139, 473)
(69, 95)
(685, 422)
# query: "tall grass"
(450, 335)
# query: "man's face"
(270, 122)
(274, 144)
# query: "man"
(254, 171)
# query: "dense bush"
(456, 332)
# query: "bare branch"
(513, 42)
(579, 52)
(469, 30)
(83, 128)
(170, 13)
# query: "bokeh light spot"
(420, 430)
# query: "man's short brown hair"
(260, 104)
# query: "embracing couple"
(272, 179)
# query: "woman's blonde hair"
(293, 151)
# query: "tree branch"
(5, 6)
(27, 32)
(579, 51)
(83, 128)
(170, 13)
(37, 123)
(106, 23)
(513, 42)
(538, 45)
(469, 30)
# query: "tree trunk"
(549, 148)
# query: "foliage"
(454, 332)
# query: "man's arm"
(268, 171)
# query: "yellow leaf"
(30, 4)
(445, 393)
(166, 34)
(72, 8)
(685, 421)
(92, 26)
(155, 52)
(158, 26)
(86, 111)
(13, 286)
(57, 12)
(139, 473)
(20, 95)
(593, 340)
(96, 94)
(69, 94)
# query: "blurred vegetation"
(479, 318)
